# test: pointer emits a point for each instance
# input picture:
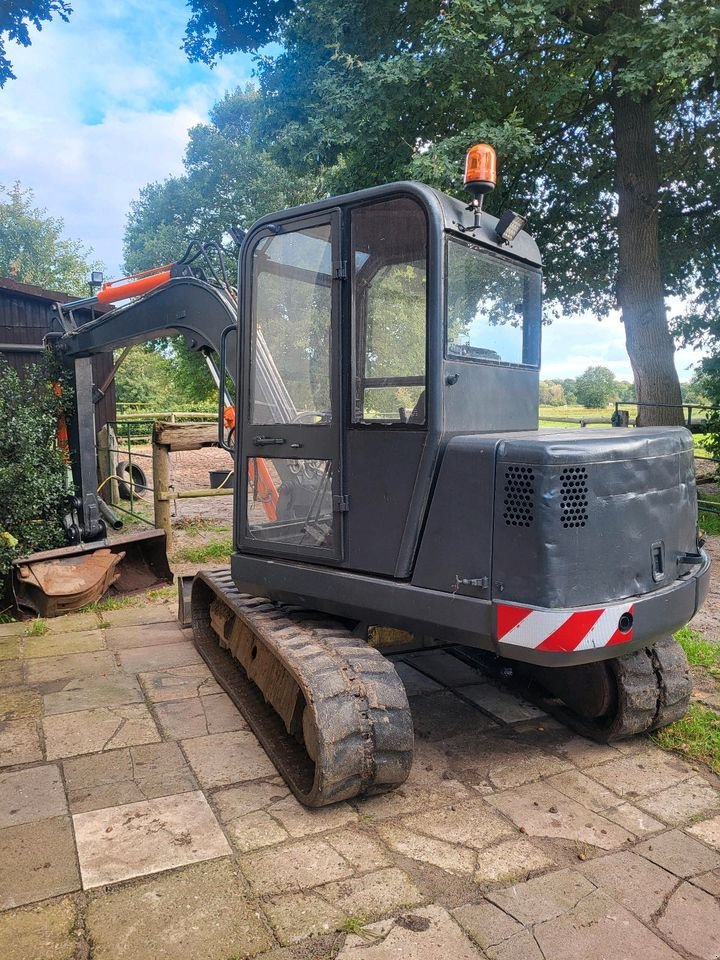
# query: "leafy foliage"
(33, 248)
(14, 20)
(228, 181)
(215, 27)
(32, 468)
(366, 93)
(595, 387)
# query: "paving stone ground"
(140, 818)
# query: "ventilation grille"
(519, 496)
(574, 497)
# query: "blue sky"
(102, 105)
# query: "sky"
(102, 106)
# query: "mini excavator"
(390, 475)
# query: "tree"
(596, 387)
(552, 394)
(605, 116)
(33, 248)
(33, 472)
(14, 20)
(229, 180)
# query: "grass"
(38, 628)
(709, 522)
(358, 926)
(699, 651)
(110, 603)
(215, 550)
(161, 593)
(696, 736)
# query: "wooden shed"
(25, 313)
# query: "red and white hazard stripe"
(562, 631)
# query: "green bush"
(33, 472)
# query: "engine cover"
(592, 516)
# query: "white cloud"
(572, 344)
(100, 107)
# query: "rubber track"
(360, 713)
(653, 687)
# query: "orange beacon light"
(480, 169)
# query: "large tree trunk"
(640, 292)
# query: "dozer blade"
(55, 582)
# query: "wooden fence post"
(161, 486)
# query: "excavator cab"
(372, 326)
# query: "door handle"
(267, 441)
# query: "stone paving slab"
(294, 866)
(18, 702)
(472, 823)
(17, 628)
(691, 921)
(126, 776)
(598, 928)
(685, 801)
(37, 861)
(486, 924)
(415, 683)
(91, 731)
(49, 673)
(679, 854)
(29, 795)
(543, 898)
(9, 648)
(499, 763)
(19, 742)
(510, 860)
(427, 933)
(11, 674)
(44, 932)
(158, 657)
(632, 881)
(70, 623)
(445, 668)
(147, 635)
(179, 683)
(708, 831)
(197, 912)
(223, 758)
(542, 811)
(63, 644)
(438, 715)
(198, 717)
(502, 705)
(136, 839)
(374, 894)
(641, 775)
(296, 916)
(141, 615)
(447, 856)
(87, 693)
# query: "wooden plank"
(185, 436)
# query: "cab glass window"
(291, 318)
(389, 295)
(493, 307)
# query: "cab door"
(291, 501)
